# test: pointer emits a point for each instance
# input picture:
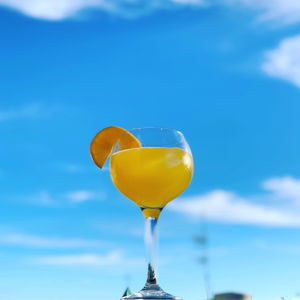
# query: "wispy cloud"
(112, 259)
(84, 195)
(71, 168)
(282, 12)
(45, 198)
(23, 112)
(284, 187)
(228, 207)
(42, 198)
(277, 247)
(80, 196)
(52, 10)
(60, 9)
(75, 168)
(120, 227)
(284, 61)
(109, 259)
(35, 241)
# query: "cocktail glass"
(151, 176)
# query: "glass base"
(151, 291)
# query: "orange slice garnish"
(104, 141)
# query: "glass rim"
(180, 142)
(157, 127)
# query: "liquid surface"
(151, 176)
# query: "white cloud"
(227, 207)
(284, 187)
(42, 198)
(293, 249)
(283, 12)
(120, 227)
(71, 168)
(114, 258)
(109, 259)
(74, 168)
(27, 240)
(28, 111)
(54, 9)
(83, 195)
(80, 196)
(284, 61)
(61, 9)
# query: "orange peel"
(104, 141)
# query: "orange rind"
(105, 140)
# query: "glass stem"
(151, 242)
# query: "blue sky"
(225, 73)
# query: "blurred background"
(225, 72)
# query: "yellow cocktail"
(151, 176)
(150, 166)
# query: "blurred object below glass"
(127, 292)
(232, 296)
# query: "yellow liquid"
(151, 176)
